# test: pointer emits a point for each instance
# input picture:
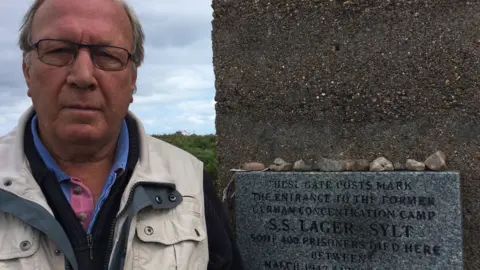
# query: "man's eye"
(106, 55)
(59, 51)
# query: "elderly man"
(81, 184)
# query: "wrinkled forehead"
(87, 21)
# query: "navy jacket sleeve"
(223, 249)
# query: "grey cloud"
(13, 91)
(9, 36)
(182, 81)
(174, 23)
(13, 18)
(176, 35)
(11, 77)
(192, 8)
(196, 53)
(12, 84)
(174, 31)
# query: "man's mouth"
(82, 107)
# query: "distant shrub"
(201, 146)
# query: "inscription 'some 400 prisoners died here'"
(349, 220)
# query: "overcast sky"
(175, 83)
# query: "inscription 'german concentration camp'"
(348, 220)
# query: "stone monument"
(350, 79)
(349, 220)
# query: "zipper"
(112, 228)
(90, 245)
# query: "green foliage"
(201, 146)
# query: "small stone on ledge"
(381, 164)
(414, 165)
(253, 166)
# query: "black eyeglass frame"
(81, 45)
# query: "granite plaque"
(349, 220)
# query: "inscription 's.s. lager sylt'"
(339, 227)
(349, 220)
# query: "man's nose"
(82, 70)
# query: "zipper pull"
(90, 245)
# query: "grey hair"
(138, 53)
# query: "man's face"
(58, 93)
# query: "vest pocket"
(171, 239)
(19, 244)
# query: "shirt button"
(77, 190)
(82, 217)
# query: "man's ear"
(133, 86)
(26, 66)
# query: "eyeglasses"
(62, 53)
